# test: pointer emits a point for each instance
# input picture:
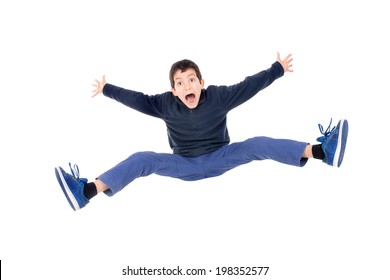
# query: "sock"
(318, 153)
(90, 190)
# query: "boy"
(196, 122)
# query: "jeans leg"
(142, 164)
(256, 148)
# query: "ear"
(174, 91)
(202, 84)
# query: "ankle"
(90, 190)
(317, 151)
(100, 186)
(307, 153)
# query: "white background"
(315, 222)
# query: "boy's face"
(187, 87)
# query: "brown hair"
(183, 65)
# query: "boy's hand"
(286, 63)
(99, 86)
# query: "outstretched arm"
(99, 86)
(286, 63)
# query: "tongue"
(190, 98)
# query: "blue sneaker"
(333, 142)
(72, 186)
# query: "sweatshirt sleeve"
(235, 95)
(147, 104)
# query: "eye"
(192, 80)
(178, 83)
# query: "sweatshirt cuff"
(106, 89)
(278, 68)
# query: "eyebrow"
(179, 78)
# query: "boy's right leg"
(143, 164)
(100, 186)
(72, 186)
(137, 165)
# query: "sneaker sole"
(341, 143)
(65, 188)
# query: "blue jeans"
(213, 164)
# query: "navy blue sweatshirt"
(198, 131)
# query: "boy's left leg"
(257, 148)
(334, 142)
(330, 151)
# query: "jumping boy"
(196, 123)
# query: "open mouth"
(190, 97)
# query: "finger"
(278, 56)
